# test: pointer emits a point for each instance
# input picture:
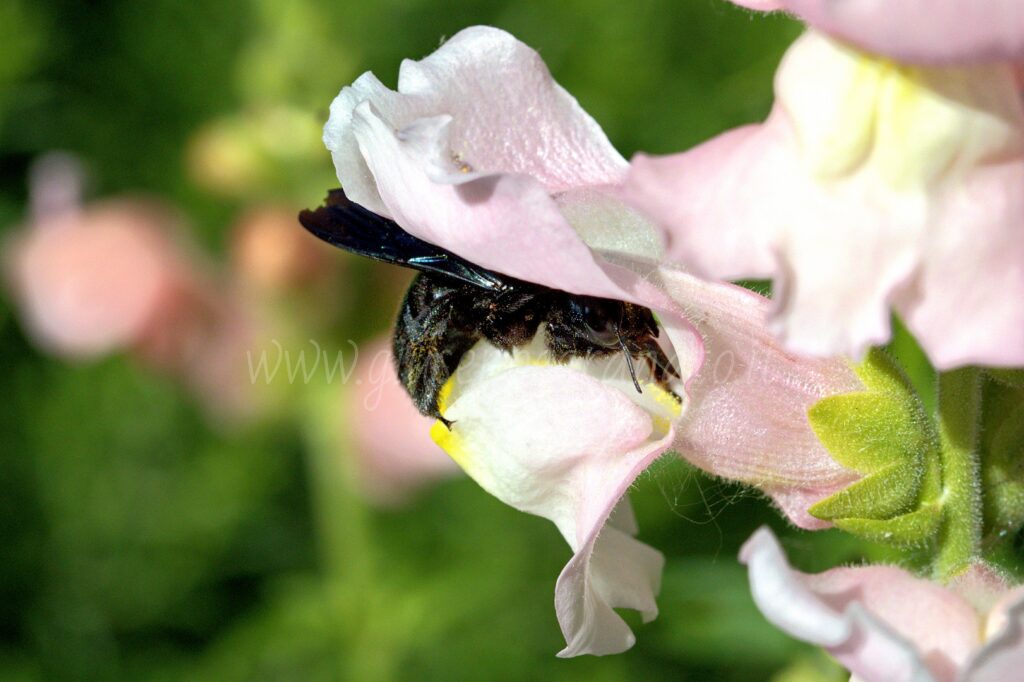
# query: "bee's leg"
(432, 334)
(629, 361)
(434, 375)
(436, 359)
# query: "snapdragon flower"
(119, 276)
(873, 184)
(886, 625)
(480, 152)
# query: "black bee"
(452, 304)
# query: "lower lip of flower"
(484, 360)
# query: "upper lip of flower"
(394, 153)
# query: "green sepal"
(883, 434)
(888, 492)
(909, 529)
(867, 431)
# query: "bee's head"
(599, 319)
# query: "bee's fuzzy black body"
(453, 304)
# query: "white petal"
(559, 442)
(617, 572)
(355, 175)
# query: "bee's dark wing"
(354, 228)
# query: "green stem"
(959, 414)
(343, 525)
(341, 518)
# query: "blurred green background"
(141, 539)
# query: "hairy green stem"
(959, 413)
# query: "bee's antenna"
(629, 360)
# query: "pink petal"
(880, 622)
(727, 187)
(553, 441)
(429, 156)
(740, 205)
(486, 81)
(976, 258)
(113, 276)
(506, 222)
(395, 454)
(916, 30)
(747, 415)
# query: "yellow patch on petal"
(853, 111)
(445, 394)
(448, 439)
(665, 399)
(836, 141)
(450, 442)
(919, 132)
(667, 405)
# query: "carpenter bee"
(452, 304)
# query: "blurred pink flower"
(270, 255)
(203, 337)
(870, 185)
(916, 30)
(481, 152)
(886, 625)
(118, 276)
(394, 452)
(91, 281)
